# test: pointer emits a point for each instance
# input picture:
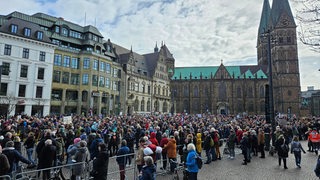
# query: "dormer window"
(57, 29)
(64, 31)
(39, 35)
(27, 32)
(14, 28)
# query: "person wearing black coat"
(245, 147)
(283, 150)
(207, 147)
(5, 166)
(100, 164)
(47, 158)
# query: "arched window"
(195, 91)
(165, 107)
(142, 106)
(148, 106)
(261, 91)
(136, 105)
(156, 106)
(185, 91)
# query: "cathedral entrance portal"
(222, 108)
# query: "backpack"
(199, 161)
(211, 142)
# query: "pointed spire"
(264, 20)
(131, 49)
(279, 8)
(156, 48)
(161, 43)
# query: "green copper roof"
(261, 74)
(208, 72)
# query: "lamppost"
(1, 66)
(172, 108)
(271, 108)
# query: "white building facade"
(26, 56)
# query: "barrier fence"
(131, 172)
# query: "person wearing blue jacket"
(122, 158)
(191, 163)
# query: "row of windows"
(25, 52)
(24, 71)
(26, 31)
(239, 93)
(74, 79)
(74, 63)
(134, 86)
(22, 90)
(71, 33)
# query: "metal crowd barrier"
(5, 177)
(130, 171)
(59, 172)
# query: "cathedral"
(242, 89)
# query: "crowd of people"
(171, 139)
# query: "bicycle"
(180, 172)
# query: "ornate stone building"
(238, 89)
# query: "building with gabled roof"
(241, 89)
(147, 80)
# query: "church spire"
(281, 8)
(156, 49)
(264, 20)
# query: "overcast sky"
(197, 32)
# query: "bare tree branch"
(308, 16)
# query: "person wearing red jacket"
(164, 141)
(153, 139)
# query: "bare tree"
(308, 16)
(11, 101)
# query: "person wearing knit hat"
(72, 149)
(76, 140)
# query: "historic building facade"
(26, 68)
(241, 89)
(81, 72)
(147, 83)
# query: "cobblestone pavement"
(267, 168)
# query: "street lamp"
(271, 108)
(172, 108)
(1, 66)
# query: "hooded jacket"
(82, 155)
(153, 139)
(199, 143)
